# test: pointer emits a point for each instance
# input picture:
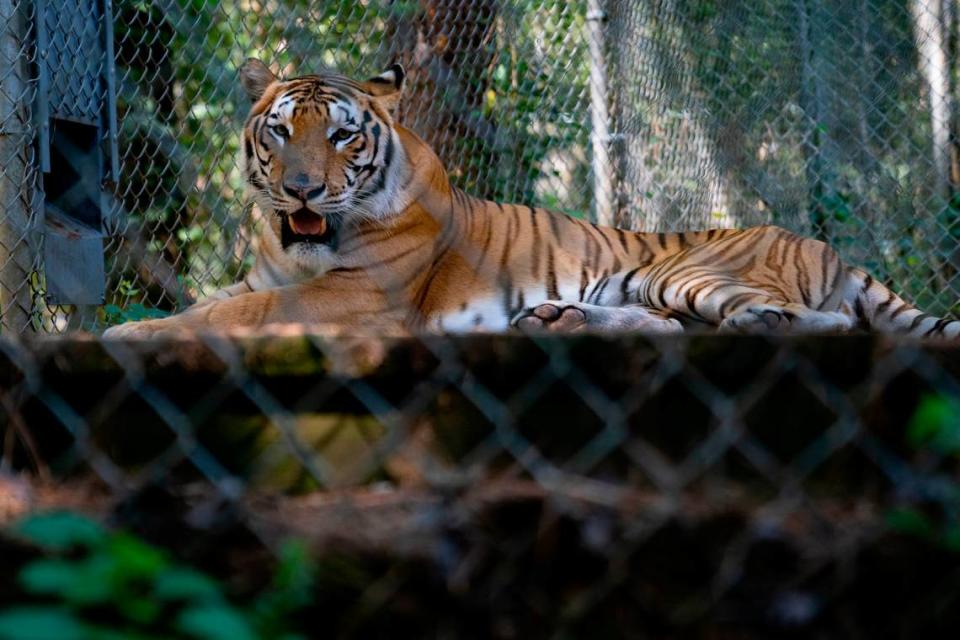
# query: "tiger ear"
(386, 87)
(255, 78)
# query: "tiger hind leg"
(785, 318)
(566, 317)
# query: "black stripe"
(507, 299)
(596, 299)
(602, 235)
(600, 281)
(584, 281)
(554, 227)
(734, 301)
(535, 249)
(552, 291)
(916, 321)
(891, 296)
(503, 274)
(382, 176)
(625, 284)
(903, 307)
(940, 324)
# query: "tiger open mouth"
(304, 225)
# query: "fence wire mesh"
(533, 487)
(518, 488)
(833, 119)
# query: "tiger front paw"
(142, 330)
(551, 316)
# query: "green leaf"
(96, 582)
(907, 520)
(105, 633)
(135, 558)
(141, 610)
(50, 576)
(295, 569)
(40, 623)
(951, 538)
(185, 584)
(137, 312)
(60, 530)
(292, 588)
(84, 582)
(214, 622)
(936, 423)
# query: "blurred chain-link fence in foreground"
(837, 120)
(506, 487)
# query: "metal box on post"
(77, 127)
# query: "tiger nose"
(301, 188)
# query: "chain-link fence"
(482, 486)
(834, 119)
(502, 487)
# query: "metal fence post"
(599, 115)
(15, 196)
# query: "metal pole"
(599, 115)
(15, 174)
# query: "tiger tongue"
(306, 223)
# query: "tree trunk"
(931, 27)
(670, 173)
(930, 33)
(814, 25)
(599, 115)
(447, 50)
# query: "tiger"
(364, 229)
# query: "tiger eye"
(340, 135)
(281, 131)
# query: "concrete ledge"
(590, 404)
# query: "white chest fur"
(484, 314)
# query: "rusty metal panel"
(73, 255)
(73, 239)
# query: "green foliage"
(936, 424)
(60, 531)
(916, 523)
(91, 583)
(934, 427)
(127, 310)
(41, 623)
(112, 314)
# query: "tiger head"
(321, 152)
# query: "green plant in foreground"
(935, 426)
(94, 584)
